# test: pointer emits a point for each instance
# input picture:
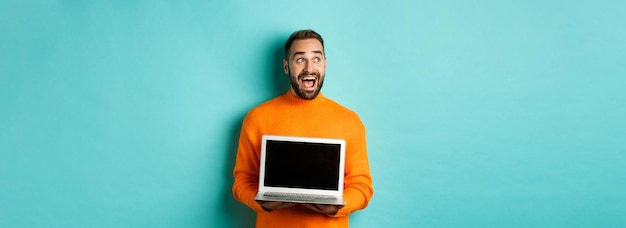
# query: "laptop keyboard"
(299, 195)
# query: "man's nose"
(307, 65)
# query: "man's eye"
(299, 60)
(317, 60)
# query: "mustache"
(307, 73)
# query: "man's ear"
(286, 66)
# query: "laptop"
(301, 170)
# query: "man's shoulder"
(265, 107)
(268, 104)
(341, 108)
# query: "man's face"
(306, 66)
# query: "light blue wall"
(479, 113)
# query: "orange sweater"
(293, 116)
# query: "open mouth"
(308, 82)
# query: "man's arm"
(246, 171)
(358, 188)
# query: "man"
(303, 111)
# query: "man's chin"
(308, 95)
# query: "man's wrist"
(265, 208)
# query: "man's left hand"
(324, 209)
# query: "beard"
(307, 95)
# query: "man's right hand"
(274, 205)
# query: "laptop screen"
(302, 165)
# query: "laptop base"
(303, 200)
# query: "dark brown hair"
(301, 35)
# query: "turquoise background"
(479, 113)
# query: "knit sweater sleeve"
(358, 188)
(246, 171)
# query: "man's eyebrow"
(302, 53)
(297, 53)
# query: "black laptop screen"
(302, 165)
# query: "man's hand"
(324, 209)
(274, 205)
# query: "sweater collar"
(297, 101)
